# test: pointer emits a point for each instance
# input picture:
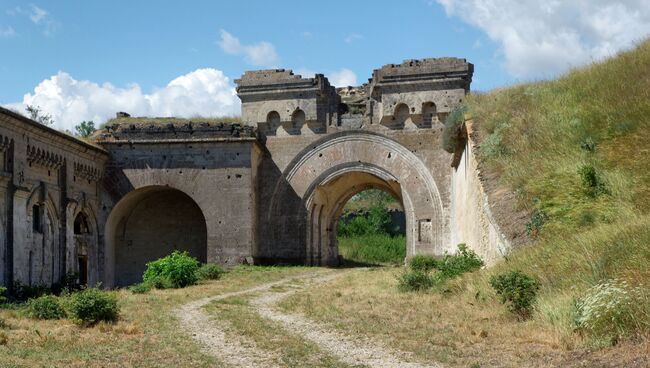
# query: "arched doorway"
(84, 244)
(327, 202)
(150, 223)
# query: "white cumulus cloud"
(343, 78)
(259, 54)
(203, 92)
(543, 38)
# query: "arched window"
(273, 117)
(81, 224)
(401, 114)
(298, 118)
(428, 114)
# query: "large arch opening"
(371, 229)
(150, 223)
(325, 207)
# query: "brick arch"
(376, 160)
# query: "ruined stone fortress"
(268, 190)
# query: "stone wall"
(472, 220)
(47, 179)
(181, 171)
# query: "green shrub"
(45, 307)
(465, 260)
(377, 221)
(611, 310)
(452, 134)
(177, 270)
(423, 263)
(516, 289)
(92, 305)
(25, 292)
(537, 221)
(210, 272)
(414, 281)
(592, 182)
(3, 295)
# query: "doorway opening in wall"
(371, 229)
(82, 264)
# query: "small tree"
(85, 129)
(35, 113)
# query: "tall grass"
(373, 248)
(540, 137)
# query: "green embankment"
(576, 151)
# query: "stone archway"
(150, 223)
(336, 167)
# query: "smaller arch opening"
(81, 224)
(37, 218)
(429, 116)
(401, 114)
(273, 117)
(298, 118)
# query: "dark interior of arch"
(153, 226)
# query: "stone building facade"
(268, 190)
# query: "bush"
(45, 307)
(25, 292)
(452, 134)
(377, 221)
(92, 305)
(464, 261)
(177, 270)
(423, 263)
(537, 220)
(611, 309)
(516, 289)
(415, 281)
(592, 182)
(210, 272)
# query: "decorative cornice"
(87, 172)
(43, 157)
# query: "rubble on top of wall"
(131, 129)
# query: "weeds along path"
(355, 351)
(240, 351)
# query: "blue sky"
(85, 59)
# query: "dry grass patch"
(463, 325)
(146, 335)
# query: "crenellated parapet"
(282, 103)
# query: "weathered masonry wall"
(268, 190)
(472, 219)
(50, 217)
(198, 179)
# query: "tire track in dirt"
(240, 351)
